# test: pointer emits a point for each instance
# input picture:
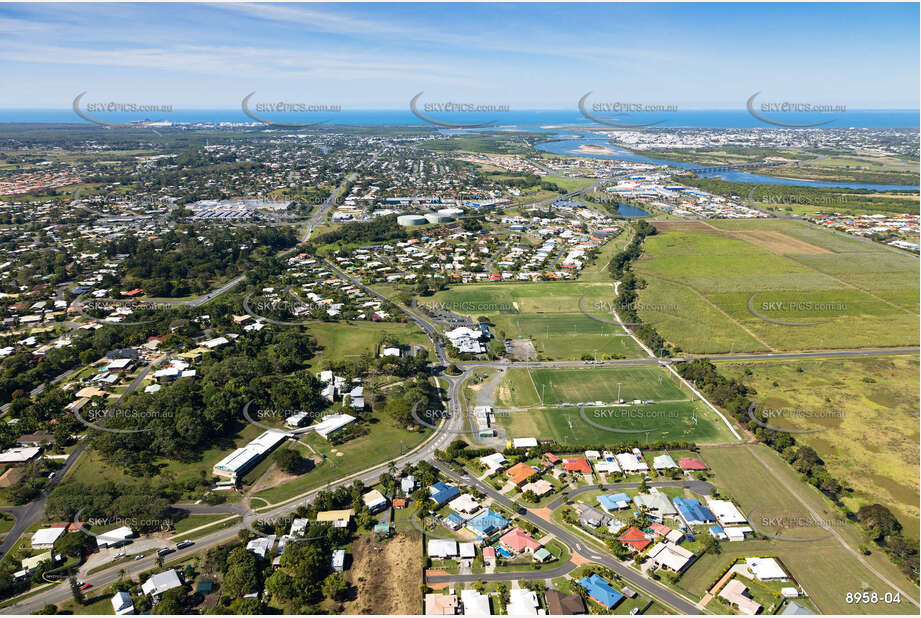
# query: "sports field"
(645, 382)
(761, 482)
(679, 421)
(863, 414)
(750, 285)
(548, 313)
(672, 416)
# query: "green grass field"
(825, 568)
(605, 383)
(548, 313)
(704, 279)
(341, 340)
(683, 421)
(873, 443)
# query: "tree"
(281, 586)
(243, 574)
(335, 587)
(171, 602)
(878, 521)
(76, 592)
(289, 460)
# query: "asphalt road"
(682, 359)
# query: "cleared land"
(823, 567)
(873, 443)
(547, 313)
(723, 286)
(386, 575)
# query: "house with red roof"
(578, 464)
(634, 539)
(489, 555)
(519, 541)
(520, 473)
(551, 459)
(691, 463)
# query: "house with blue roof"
(454, 521)
(487, 523)
(601, 591)
(614, 502)
(693, 512)
(442, 493)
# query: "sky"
(528, 56)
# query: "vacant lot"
(871, 440)
(760, 482)
(743, 285)
(386, 575)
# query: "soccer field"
(555, 386)
(611, 425)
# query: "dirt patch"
(682, 226)
(779, 243)
(273, 477)
(522, 349)
(578, 559)
(387, 575)
(543, 513)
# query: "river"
(571, 147)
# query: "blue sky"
(528, 56)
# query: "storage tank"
(451, 212)
(434, 217)
(408, 220)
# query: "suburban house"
(442, 548)
(464, 504)
(122, 604)
(577, 464)
(634, 539)
(520, 473)
(559, 604)
(518, 541)
(159, 583)
(374, 500)
(487, 523)
(475, 604)
(656, 503)
(442, 493)
(737, 594)
(600, 591)
(437, 604)
(338, 519)
(669, 556)
(693, 512)
(44, 538)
